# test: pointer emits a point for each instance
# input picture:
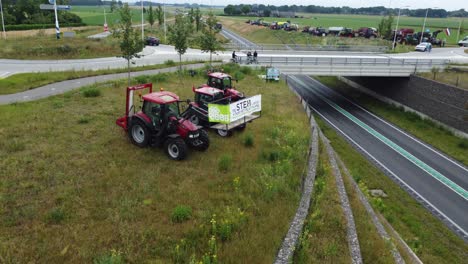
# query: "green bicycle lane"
(388, 142)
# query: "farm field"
(357, 21)
(77, 190)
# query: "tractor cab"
(160, 107)
(208, 95)
(223, 82)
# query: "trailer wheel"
(224, 132)
(175, 148)
(241, 127)
(139, 133)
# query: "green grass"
(26, 81)
(418, 227)
(80, 192)
(458, 79)
(357, 21)
(425, 130)
(323, 239)
(47, 47)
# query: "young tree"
(191, 14)
(121, 3)
(160, 15)
(151, 18)
(179, 33)
(113, 5)
(385, 27)
(130, 39)
(198, 17)
(208, 41)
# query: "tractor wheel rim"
(194, 119)
(173, 150)
(138, 134)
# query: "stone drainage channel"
(290, 241)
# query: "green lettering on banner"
(219, 113)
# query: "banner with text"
(226, 114)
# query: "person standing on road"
(234, 56)
(255, 56)
(429, 48)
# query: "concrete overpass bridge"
(351, 66)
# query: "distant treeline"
(267, 10)
(19, 12)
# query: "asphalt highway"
(432, 178)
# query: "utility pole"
(396, 29)
(3, 22)
(165, 29)
(57, 28)
(424, 25)
(142, 23)
(458, 33)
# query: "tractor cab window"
(227, 82)
(153, 111)
(172, 109)
(215, 83)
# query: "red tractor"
(159, 123)
(223, 82)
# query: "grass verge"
(458, 79)
(26, 81)
(74, 189)
(323, 239)
(429, 238)
(425, 130)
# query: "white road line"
(389, 124)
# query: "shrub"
(463, 144)
(161, 77)
(142, 79)
(248, 140)
(181, 213)
(224, 162)
(83, 120)
(246, 70)
(55, 216)
(170, 63)
(91, 92)
(113, 258)
(239, 75)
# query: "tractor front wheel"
(224, 132)
(139, 133)
(176, 148)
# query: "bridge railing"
(350, 61)
(302, 47)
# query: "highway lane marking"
(431, 171)
(465, 233)
(391, 125)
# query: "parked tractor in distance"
(366, 32)
(159, 123)
(223, 82)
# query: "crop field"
(77, 191)
(94, 15)
(357, 21)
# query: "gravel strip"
(295, 229)
(352, 237)
(375, 219)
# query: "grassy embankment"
(425, 130)
(323, 239)
(418, 227)
(74, 189)
(355, 22)
(26, 81)
(455, 78)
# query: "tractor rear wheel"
(139, 133)
(175, 148)
(204, 139)
(224, 133)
